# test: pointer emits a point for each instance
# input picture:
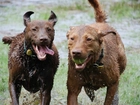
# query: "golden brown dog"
(33, 59)
(96, 59)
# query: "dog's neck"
(98, 63)
(28, 50)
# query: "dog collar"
(98, 63)
(29, 51)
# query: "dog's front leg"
(45, 97)
(72, 99)
(111, 92)
(74, 88)
(14, 92)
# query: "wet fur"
(27, 71)
(89, 40)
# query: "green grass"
(125, 9)
(3, 72)
(130, 81)
(117, 11)
(135, 36)
(12, 14)
(59, 88)
(76, 5)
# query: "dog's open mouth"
(42, 51)
(81, 64)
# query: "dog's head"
(40, 34)
(84, 43)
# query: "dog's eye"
(88, 39)
(48, 29)
(34, 29)
(71, 38)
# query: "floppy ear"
(26, 17)
(53, 18)
(102, 34)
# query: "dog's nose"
(42, 39)
(76, 52)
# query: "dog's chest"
(34, 75)
(95, 78)
(32, 79)
(31, 84)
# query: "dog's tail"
(100, 15)
(7, 39)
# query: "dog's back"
(100, 17)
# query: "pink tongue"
(42, 51)
(46, 50)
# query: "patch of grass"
(135, 36)
(63, 46)
(14, 15)
(130, 81)
(9, 17)
(77, 5)
(3, 71)
(60, 82)
(124, 9)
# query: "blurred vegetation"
(3, 72)
(122, 10)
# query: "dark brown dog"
(33, 59)
(96, 59)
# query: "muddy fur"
(33, 58)
(96, 59)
